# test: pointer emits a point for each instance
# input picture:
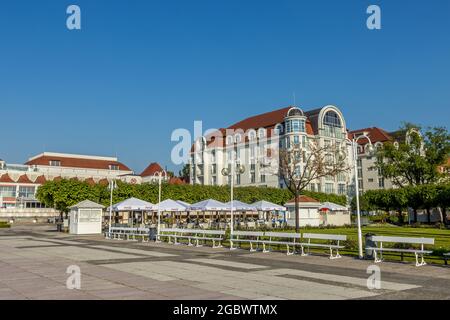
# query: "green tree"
(415, 158)
(185, 173)
(443, 200)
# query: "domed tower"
(294, 131)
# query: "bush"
(4, 224)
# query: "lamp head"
(225, 172)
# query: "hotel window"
(8, 191)
(214, 169)
(238, 179)
(304, 142)
(263, 178)
(55, 163)
(342, 189)
(359, 163)
(252, 177)
(261, 133)
(278, 129)
(26, 192)
(370, 180)
(319, 187)
(332, 119)
(213, 156)
(381, 182)
(360, 173)
(114, 167)
(341, 176)
(296, 140)
(252, 167)
(214, 181)
(329, 188)
(312, 187)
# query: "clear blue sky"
(139, 69)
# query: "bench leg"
(251, 247)
(264, 248)
(336, 256)
(375, 257)
(219, 245)
(289, 253)
(190, 244)
(198, 244)
(303, 253)
(231, 246)
(420, 261)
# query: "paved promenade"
(34, 260)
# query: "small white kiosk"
(86, 218)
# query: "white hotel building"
(252, 140)
(18, 183)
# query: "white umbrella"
(267, 206)
(208, 205)
(187, 205)
(133, 204)
(240, 206)
(170, 205)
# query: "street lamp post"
(226, 172)
(354, 143)
(111, 187)
(160, 175)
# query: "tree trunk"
(429, 215)
(444, 216)
(297, 212)
(400, 216)
(415, 215)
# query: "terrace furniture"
(419, 253)
(446, 257)
(282, 238)
(331, 239)
(252, 237)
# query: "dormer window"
(114, 167)
(55, 163)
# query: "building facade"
(19, 183)
(254, 142)
(370, 178)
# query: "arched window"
(295, 112)
(229, 140)
(279, 129)
(238, 138)
(252, 135)
(332, 119)
(261, 133)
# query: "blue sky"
(139, 69)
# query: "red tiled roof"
(24, 179)
(303, 198)
(151, 170)
(40, 180)
(375, 134)
(77, 163)
(6, 178)
(176, 180)
(265, 120)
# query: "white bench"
(419, 253)
(287, 239)
(208, 235)
(327, 237)
(252, 237)
(120, 233)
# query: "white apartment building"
(254, 143)
(369, 176)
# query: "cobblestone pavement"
(34, 260)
